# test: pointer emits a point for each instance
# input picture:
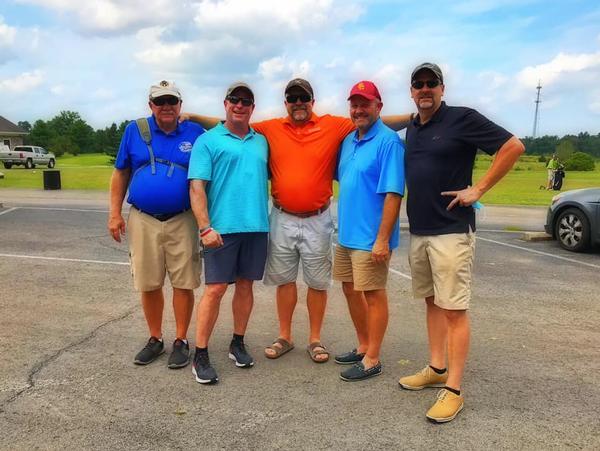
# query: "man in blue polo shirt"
(441, 144)
(228, 173)
(152, 163)
(371, 176)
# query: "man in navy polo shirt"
(441, 144)
(371, 176)
(228, 173)
(152, 163)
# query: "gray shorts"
(293, 240)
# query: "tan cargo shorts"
(157, 248)
(441, 266)
(357, 266)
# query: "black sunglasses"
(293, 98)
(419, 84)
(160, 101)
(235, 100)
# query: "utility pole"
(537, 106)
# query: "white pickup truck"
(27, 156)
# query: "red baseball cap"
(366, 89)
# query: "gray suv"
(574, 219)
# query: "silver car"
(574, 219)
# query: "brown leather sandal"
(311, 349)
(284, 346)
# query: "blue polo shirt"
(236, 171)
(440, 156)
(368, 169)
(157, 193)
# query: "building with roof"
(11, 134)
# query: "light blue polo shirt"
(236, 171)
(368, 169)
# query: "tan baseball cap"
(164, 88)
(239, 84)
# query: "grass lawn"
(82, 172)
(519, 187)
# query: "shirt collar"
(222, 130)
(155, 128)
(371, 133)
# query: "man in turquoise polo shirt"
(371, 176)
(228, 191)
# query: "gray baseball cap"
(302, 84)
(430, 67)
(237, 85)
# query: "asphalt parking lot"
(71, 324)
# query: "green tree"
(580, 161)
(41, 134)
(61, 144)
(565, 149)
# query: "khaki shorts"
(353, 265)
(157, 248)
(441, 266)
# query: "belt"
(162, 217)
(303, 214)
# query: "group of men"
(226, 211)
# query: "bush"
(542, 159)
(580, 161)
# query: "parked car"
(27, 156)
(574, 219)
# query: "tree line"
(68, 132)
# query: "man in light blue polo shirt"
(228, 191)
(371, 176)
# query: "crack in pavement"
(44, 363)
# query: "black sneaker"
(349, 358)
(237, 353)
(357, 372)
(180, 355)
(151, 351)
(203, 370)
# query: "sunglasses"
(293, 98)
(160, 101)
(235, 100)
(419, 84)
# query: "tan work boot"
(423, 379)
(446, 407)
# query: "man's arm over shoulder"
(207, 122)
(397, 122)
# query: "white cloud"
(561, 65)
(7, 34)
(271, 68)
(114, 16)
(57, 90)
(22, 82)
(157, 52)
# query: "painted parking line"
(61, 209)
(8, 211)
(61, 259)
(533, 251)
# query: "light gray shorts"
(293, 240)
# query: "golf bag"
(559, 175)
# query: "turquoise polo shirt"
(368, 169)
(236, 171)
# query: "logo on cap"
(361, 86)
(164, 83)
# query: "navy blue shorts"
(242, 256)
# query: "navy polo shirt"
(439, 157)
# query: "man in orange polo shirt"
(303, 150)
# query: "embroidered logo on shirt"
(436, 137)
(185, 146)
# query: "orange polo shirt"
(302, 159)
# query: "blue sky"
(100, 57)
